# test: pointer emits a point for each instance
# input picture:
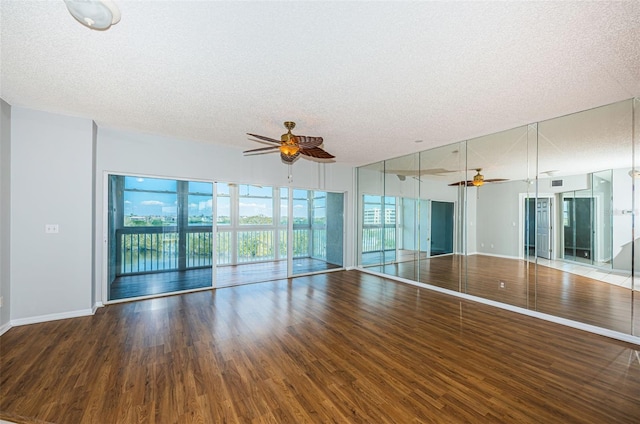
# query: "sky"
(161, 199)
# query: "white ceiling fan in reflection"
(94, 14)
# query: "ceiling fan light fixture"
(291, 146)
(478, 179)
(94, 14)
(289, 149)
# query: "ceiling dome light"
(94, 14)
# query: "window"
(150, 202)
(200, 203)
(223, 212)
(255, 205)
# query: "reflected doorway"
(441, 228)
(577, 213)
(538, 227)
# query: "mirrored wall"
(539, 217)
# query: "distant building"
(374, 216)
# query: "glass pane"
(497, 186)
(602, 183)
(149, 184)
(255, 205)
(150, 209)
(160, 236)
(200, 210)
(370, 194)
(317, 231)
(196, 187)
(441, 213)
(284, 221)
(400, 217)
(284, 206)
(584, 164)
(301, 210)
(223, 205)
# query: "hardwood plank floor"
(343, 347)
(540, 288)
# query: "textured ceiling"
(370, 77)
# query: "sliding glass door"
(317, 231)
(158, 229)
(169, 235)
(251, 233)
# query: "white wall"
(498, 211)
(469, 231)
(498, 217)
(5, 214)
(51, 177)
(622, 219)
(94, 212)
(130, 153)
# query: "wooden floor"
(540, 288)
(129, 286)
(344, 347)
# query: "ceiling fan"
(291, 146)
(478, 180)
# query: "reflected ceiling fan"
(478, 180)
(416, 174)
(291, 146)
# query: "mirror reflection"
(497, 206)
(584, 164)
(539, 216)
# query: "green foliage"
(256, 220)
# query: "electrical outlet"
(51, 228)
(502, 285)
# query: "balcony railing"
(152, 249)
(377, 238)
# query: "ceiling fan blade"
(263, 138)
(417, 173)
(262, 149)
(495, 180)
(316, 152)
(459, 183)
(308, 142)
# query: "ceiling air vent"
(556, 183)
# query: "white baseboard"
(496, 255)
(4, 328)
(51, 317)
(96, 306)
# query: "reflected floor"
(513, 281)
(618, 278)
(130, 286)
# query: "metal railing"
(377, 238)
(152, 249)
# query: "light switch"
(51, 228)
